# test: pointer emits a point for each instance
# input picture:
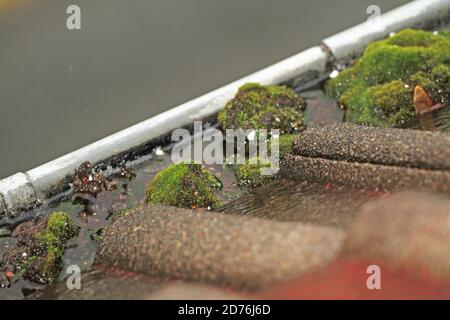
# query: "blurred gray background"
(61, 89)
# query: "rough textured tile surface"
(396, 147)
(362, 175)
(228, 250)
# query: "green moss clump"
(60, 228)
(264, 107)
(285, 143)
(445, 33)
(390, 99)
(378, 90)
(38, 251)
(184, 185)
(436, 84)
(249, 174)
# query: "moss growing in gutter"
(184, 185)
(436, 84)
(264, 107)
(285, 143)
(38, 251)
(59, 229)
(378, 90)
(249, 174)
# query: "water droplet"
(251, 136)
(334, 74)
